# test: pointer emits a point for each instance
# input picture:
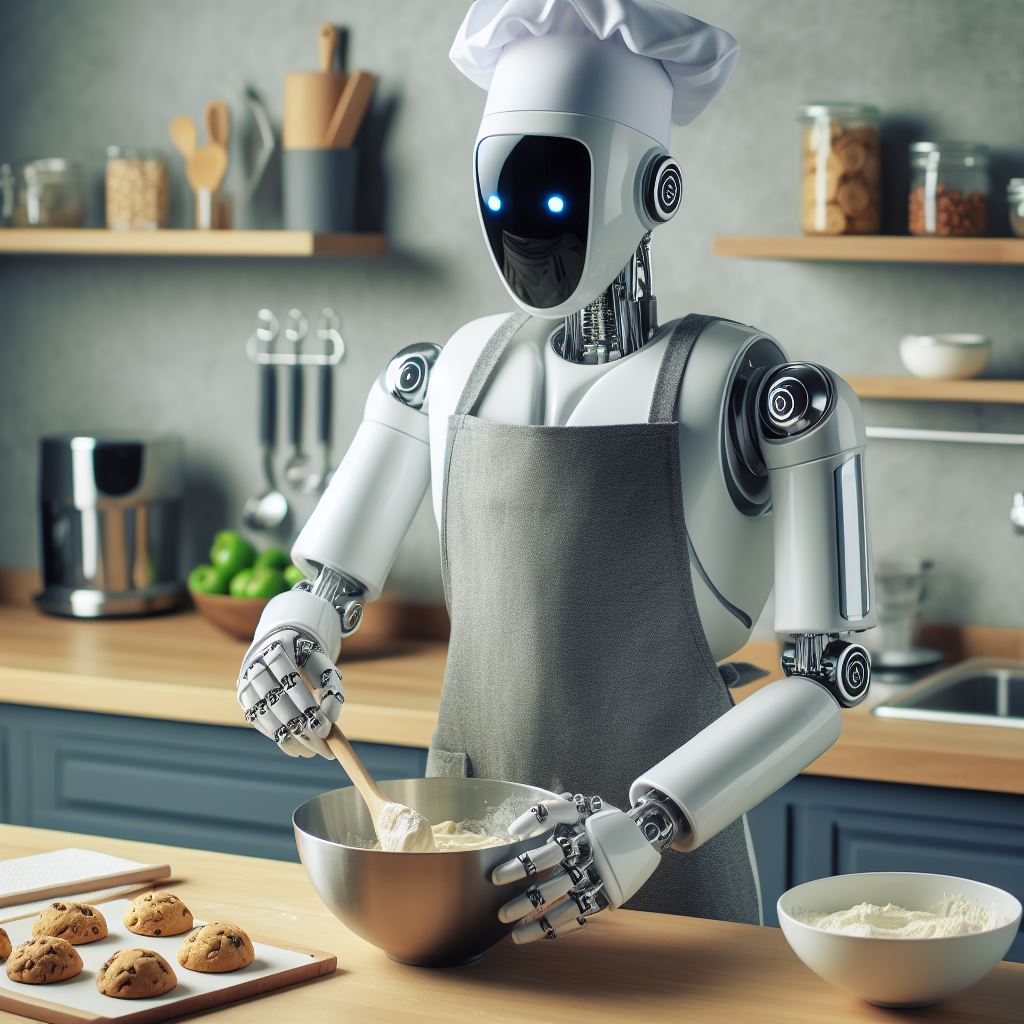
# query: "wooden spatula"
(350, 110)
(183, 135)
(217, 119)
(207, 166)
(399, 828)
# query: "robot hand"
(289, 686)
(602, 859)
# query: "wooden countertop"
(181, 668)
(622, 966)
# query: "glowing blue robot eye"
(555, 204)
(494, 203)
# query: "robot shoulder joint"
(407, 377)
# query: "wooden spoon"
(217, 119)
(400, 829)
(207, 166)
(183, 135)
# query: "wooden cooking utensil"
(218, 122)
(327, 45)
(207, 167)
(183, 135)
(350, 110)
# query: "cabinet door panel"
(192, 785)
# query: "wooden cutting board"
(78, 1001)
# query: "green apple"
(231, 552)
(273, 558)
(293, 574)
(208, 579)
(259, 581)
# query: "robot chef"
(615, 496)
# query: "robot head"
(571, 165)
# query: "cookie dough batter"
(952, 915)
(451, 836)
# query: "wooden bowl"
(237, 616)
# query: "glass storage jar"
(949, 188)
(137, 192)
(49, 195)
(841, 170)
(1015, 202)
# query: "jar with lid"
(1015, 202)
(949, 188)
(50, 194)
(137, 192)
(841, 169)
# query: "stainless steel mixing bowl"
(428, 909)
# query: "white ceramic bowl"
(897, 972)
(945, 356)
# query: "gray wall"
(157, 343)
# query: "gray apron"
(577, 658)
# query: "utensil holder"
(320, 189)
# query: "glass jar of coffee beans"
(949, 187)
(841, 171)
(137, 193)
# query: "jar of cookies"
(840, 191)
(949, 187)
(137, 193)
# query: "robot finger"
(292, 705)
(543, 816)
(537, 896)
(323, 677)
(528, 864)
(560, 920)
(259, 682)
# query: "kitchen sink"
(979, 691)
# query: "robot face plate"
(535, 195)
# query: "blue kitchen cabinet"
(205, 786)
(815, 827)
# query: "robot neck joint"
(622, 319)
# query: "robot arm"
(289, 686)
(812, 441)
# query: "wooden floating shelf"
(873, 249)
(171, 242)
(997, 392)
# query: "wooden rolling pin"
(310, 97)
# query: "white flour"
(952, 915)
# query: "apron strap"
(488, 361)
(673, 365)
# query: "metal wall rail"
(944, 436)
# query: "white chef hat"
(638, 62)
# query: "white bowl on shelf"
(945, 356)
(891, 971)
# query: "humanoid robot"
(561, 445)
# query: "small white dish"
(890, 971)
(945, 356)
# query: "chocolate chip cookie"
(5, 945)
(44, 961)
(158, 913)
(216, 948)
(135, 974)
(78, 923)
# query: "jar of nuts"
(840, 191)
(137, 193)
(948, 189)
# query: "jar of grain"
(841, 170)
(949, 188)
(137, 193)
